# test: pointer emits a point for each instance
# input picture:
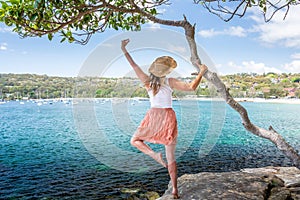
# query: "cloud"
(295, 56)
(246, 67)
(161, 10)
(236, 31)
(153, 25)
(231, 31)
(293, 67)
(208, 33)
(3, 46)
(279, 31)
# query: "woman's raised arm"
(139, 72)
(192, 86)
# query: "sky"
(242, 45)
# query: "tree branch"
(269, 9)
(212, 77)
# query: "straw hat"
(162, 66)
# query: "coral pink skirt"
(158, 126)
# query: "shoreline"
(246, 99)
(254, 100)
(261, 100)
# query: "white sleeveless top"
(163, 99)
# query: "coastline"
(254, 100)
(75, 100)
(262, 100)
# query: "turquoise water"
(46, 152)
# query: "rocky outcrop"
(268, 183)
(134, 194)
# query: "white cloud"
(161, 10)
(246, 67)
(3, 47)
(153, 25)
(208, 33)
(279, 31)
(295, 56)
(231, 31)
(293, 67)
(236, 31)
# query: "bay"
(82, 151)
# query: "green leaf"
(14, 1)
(69, 34)
(50, 36)
(36, 3)
(71, 39)
(153, 11)
(8, 22)
(2, 12)
(33, 17)
(4, 5)
(265, 9)
(62, 40)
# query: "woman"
(159, 124)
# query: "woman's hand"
(124, 43)
(202, 67)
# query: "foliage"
(75, 21)
(253, 85)
(17, 86)
(295, 79)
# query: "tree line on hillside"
(32, 86)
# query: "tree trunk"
(212, 77)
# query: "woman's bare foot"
(175, 193)
(159, 159)
(175, 196)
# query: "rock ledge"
(268, 183)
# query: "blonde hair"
(154, 83)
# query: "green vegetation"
(74, 21)
(31, 86)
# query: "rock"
(130, 190)
(135, 194)
(150, 195)
(295, 193)
(289, 175)
(279, 193)
(272, 183)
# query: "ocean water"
(82, 151)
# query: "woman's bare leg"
(139, 144)
(172, 168)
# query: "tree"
(78, 21)
(296, 80)
(226, 10)
(74, 21)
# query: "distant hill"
(32, 86)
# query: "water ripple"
(43, 157)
